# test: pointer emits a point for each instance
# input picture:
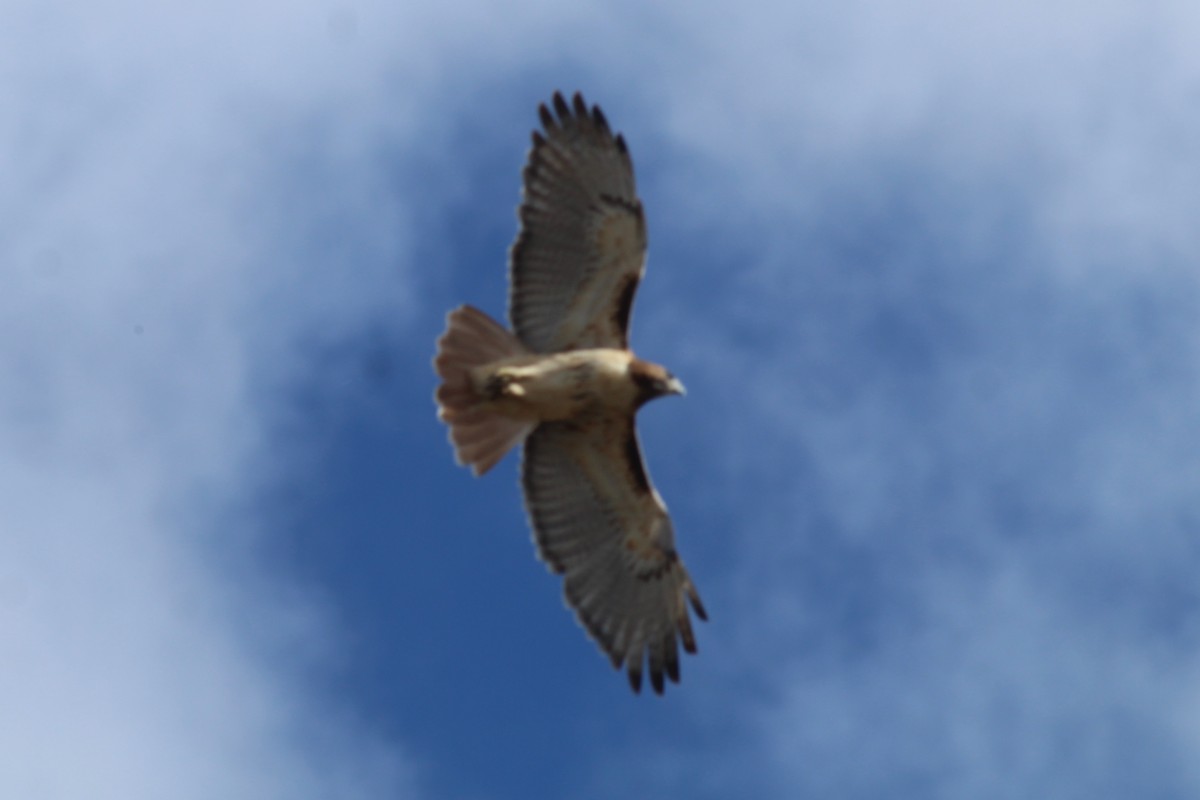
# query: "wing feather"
(611, 538)
(580, 251)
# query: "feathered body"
(567, 385)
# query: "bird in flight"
(566, 385)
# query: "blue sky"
(929, 274)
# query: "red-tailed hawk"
(567, 385)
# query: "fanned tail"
(480, 436)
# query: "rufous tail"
(480, 436)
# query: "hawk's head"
(653, 380)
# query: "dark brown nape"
(649, 378)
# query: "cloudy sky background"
(929, 273)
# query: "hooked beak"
(675, 386)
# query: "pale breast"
(558, 386)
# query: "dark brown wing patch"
(633, 462)
(624, 305)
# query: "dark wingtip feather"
(598, 119)
(635, 679)
(621, 144)
(546, 117)
(581, 109)
(672, 663)
(656, 679)
(697, 606)
(561, 108)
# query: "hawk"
(566, 385)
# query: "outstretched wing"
(581, 248)
(598, 522)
